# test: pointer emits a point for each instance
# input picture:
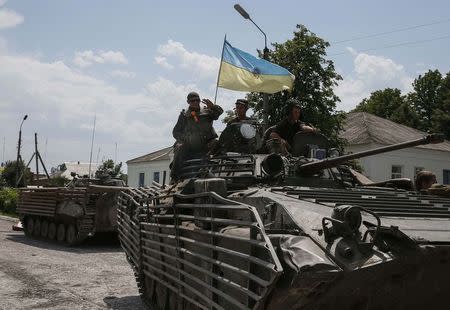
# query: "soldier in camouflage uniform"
(426, 183)
(240, 111)
(194, 132)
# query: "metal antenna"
(92, 145)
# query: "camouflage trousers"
(183, 152)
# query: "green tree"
(405, 115)
(390, 104)
(440, 119)
(8, 200)
(382, 103)
(9, 173)
(426, 97)
(109, 168)
(315, 78)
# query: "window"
(156, 176)
(446, 179)
(141, 179)
(417, 170)
(396, 172)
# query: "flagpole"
(220, 67)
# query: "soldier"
(194, 132)
(426, 183)
(241, 110)
(287, 128)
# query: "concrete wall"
(378, 167)
(148, 169)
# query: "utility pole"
(19, 157)
(38, 158)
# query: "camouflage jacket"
(196, 129)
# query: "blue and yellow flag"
(244, 72)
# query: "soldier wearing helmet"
(194, 132)
(287, 128)
(240, 110)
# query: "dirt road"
(38, 275)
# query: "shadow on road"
(124, 303)
(98, 244)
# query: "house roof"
(364, 128)
(79, 168)
(163, 154)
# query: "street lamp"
(19, 157)
(245, 15)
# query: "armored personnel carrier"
(250, 230)
(70, 214)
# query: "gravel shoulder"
(35, 274)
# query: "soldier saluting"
(194, 132)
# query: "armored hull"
(266, 248)
(263, 231)
(67, 214)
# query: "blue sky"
(132, 62)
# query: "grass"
(15, 215)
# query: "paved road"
(36, 274)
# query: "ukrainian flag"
(244, 72)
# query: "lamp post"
(245, 15)
(19, 157)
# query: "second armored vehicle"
(69, 214)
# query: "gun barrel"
(331, 162)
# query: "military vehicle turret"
(70, 214)
(250, 230)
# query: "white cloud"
(203, 65)
(370, 73)
(89, 57)
(61, 104)
(9, 18)
(123, 74)
(162, 61)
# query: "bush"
(8, 200)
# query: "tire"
(37, 228)
(61, 233)
(72, 235)
(44, 229)
(29, 226)
(51, 231)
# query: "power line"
(395, 45)
(390, 32)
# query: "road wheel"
(51, 231)
(72, 235)
(44, 229)
(37, 228)
(61, 233)
(29, 227)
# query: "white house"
(363, 131)
(143, 170)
